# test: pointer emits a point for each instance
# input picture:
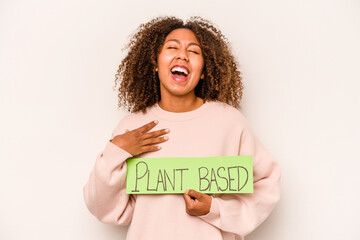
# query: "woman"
(178, 80)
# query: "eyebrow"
(177, 41)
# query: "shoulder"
(226, 112)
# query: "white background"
(300, 65)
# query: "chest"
(201, 140)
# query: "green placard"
(230, 174)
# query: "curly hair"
(139, 85)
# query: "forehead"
(182, 35)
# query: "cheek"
(199, 65)
(164, 59)
(199, 59)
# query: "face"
(180, 64)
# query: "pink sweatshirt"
(214, 129)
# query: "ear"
(156, 69)
(202, 76)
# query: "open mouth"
(179, 73)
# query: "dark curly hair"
(139, 85)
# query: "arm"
(105, 192)
(242, 213)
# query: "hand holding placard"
(197, 204)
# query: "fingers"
(191, 204)
(188, 201)
(140, 140)
(197, 204)
(151, 141)
(147, 127)
(149, 149)
(149, 138)
(195, 194)
(155, 134)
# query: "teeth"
(179, 69)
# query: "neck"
(180, 104)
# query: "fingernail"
(187, 191)
(167, 130)
(166, 138)
(156, 121)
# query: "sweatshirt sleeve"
(105, 192)
(242, 213)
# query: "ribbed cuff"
(214, 215)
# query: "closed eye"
(194, 51)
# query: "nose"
(182, 54)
